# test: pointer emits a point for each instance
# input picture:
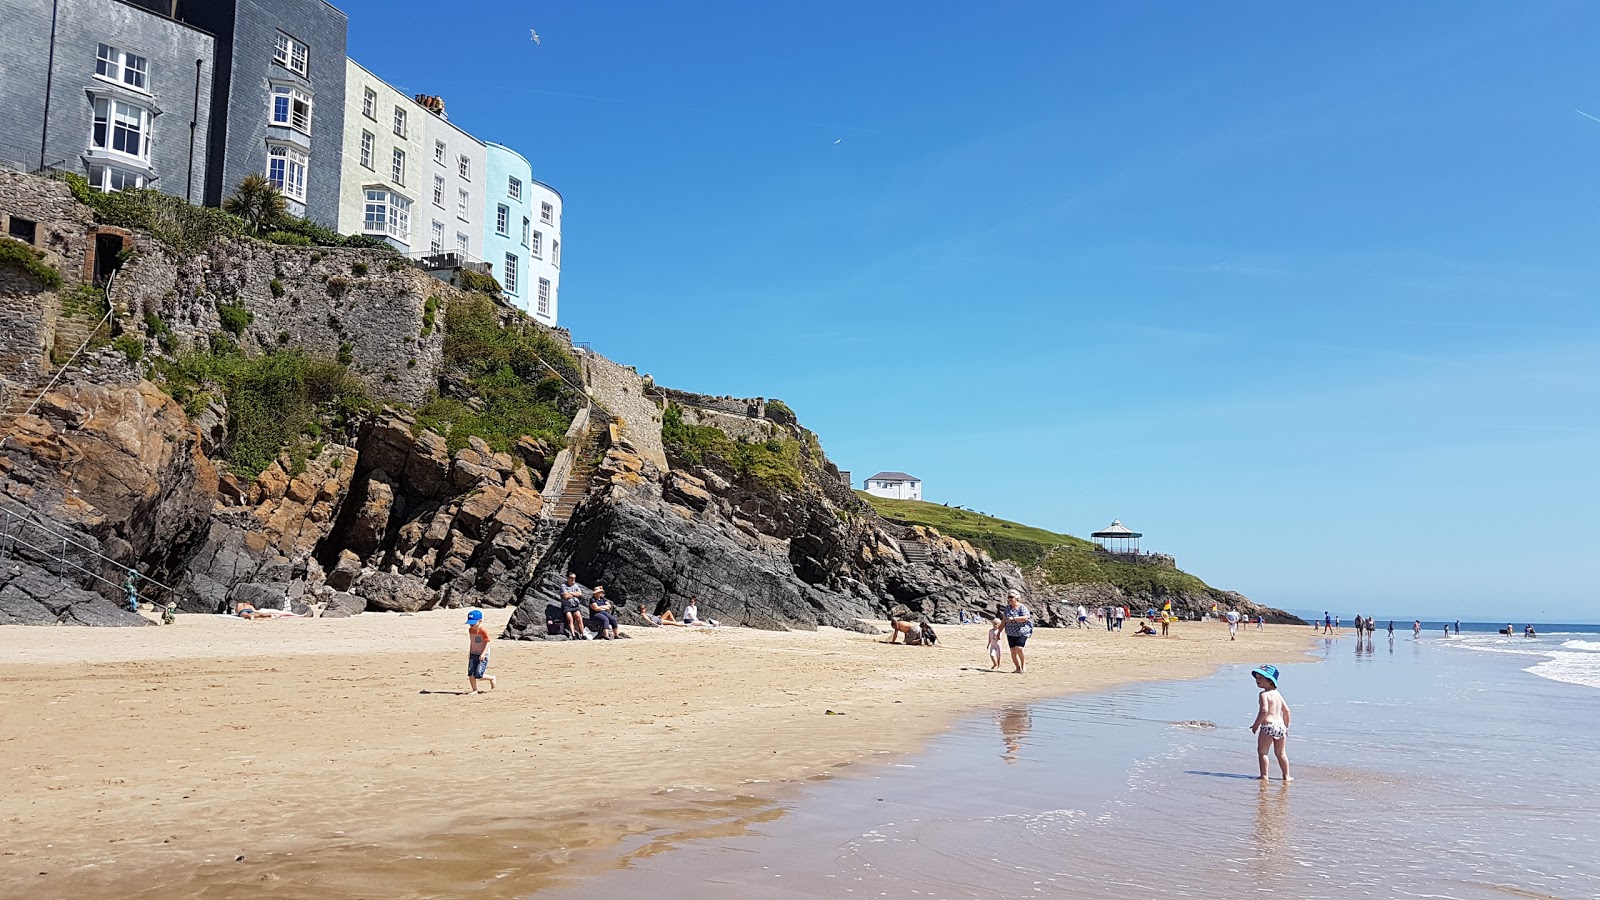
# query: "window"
(538, 245)
(115, 64)
(436, 243)
(525, 224)
(291, 54)
(286, 168)
(502, 220)
(387, 213)
(555, 253)
(369, 103)
(462, 241)
(107, 178)
(291, 107)
(464, 166)
(397, 170)
(547, 213)
(438, 152)
(463, 203)
(121, 127)
(514, 189)
(438, 191)
(511, 273)
(366, 149)
(400, 121)
(544, 296)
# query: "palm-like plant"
(257, 201)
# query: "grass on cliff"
(1065, 559)
(23, 258)
(775, 462)
(508, 369)
(286, 400)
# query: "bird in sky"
(839, 141)
(535, 37)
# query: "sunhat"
(474, 616)
(1267, 671)
(1013, 593)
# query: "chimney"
(432, 104)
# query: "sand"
(341, 757)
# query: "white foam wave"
(1576, 662)
(1581, 645)
(1573, 668)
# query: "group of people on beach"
(1013, 622)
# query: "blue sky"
(1305, 295)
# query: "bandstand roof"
(1117, 530)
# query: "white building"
(544, 270)
(895, 486)
(387, 165)
(451, 210)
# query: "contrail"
(1586, 115)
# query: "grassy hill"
(1064, 559)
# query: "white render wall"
(546, 263)
(895, 490)
(457, 144)
(356, 178)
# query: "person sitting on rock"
(603, 615)
(572, 607)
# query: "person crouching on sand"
(477, 652)
(1271, 726)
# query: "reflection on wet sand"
(1015, 723)
(1275, 855)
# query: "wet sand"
(339, 759)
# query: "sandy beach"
(339, 758)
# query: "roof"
(1116, 530)
(893, 476)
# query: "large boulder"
(392, 592)
(30, 595)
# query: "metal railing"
(53, 543)
(62, 369)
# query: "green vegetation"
(131, 347)
(23, 258)
(469, 280)
(775, 462)
(1077, 566)
(430, 311)
(284, 400)
(779, 411)
(157, 328)
(235, 317)
(358, 269)
(287, 238)
(276, 287)
(171, 220)
(508, 368)
(257, 201)
(84, 300)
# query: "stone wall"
(751, 408)
(738, 427)
(621, 390)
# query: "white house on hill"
(895, 486)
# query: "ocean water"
(1459, 767)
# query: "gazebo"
(1118, 538)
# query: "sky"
(1305, 293)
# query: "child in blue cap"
(477, 652)
(1271, 726)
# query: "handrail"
(56, 531)
(62, 370)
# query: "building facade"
(895, 486)
(544, 253)
(450, 213)
(277, 99)
(385, 168)
(508, 217)
(109, 89)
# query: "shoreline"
(328, 753)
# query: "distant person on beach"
(572, 608)
(1261, 622)
(691, 616)
(1416, 628)
(1528, 632)
(1391, 629)
(603, 615)
(1145, 628)
(1271, 726)
(1019, 624)
(1327, 622)
(1458, 626)
(1233, 624)
(1110, 619)
(916, 634)
(1083, 617)
(1121, 613)
(477, 653)
(997, 630)
(664, 619)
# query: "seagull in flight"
(535, 36)
(839, 141)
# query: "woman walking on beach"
(1019, 624)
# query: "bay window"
(387, 213)
(291, 108)
(121, 127)
(286, 168)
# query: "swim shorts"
(476, 665)
(1275, 730)
(1016, 640)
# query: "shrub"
(283, 337)
(157, 328)
(430, 310)
(84, 300)
(257, 201)
(779, 411)
(468, 280)
(396, 265)
(346, 356)
(276, 286)
(367, 242)
(171, 220)
(131, 347)
(337, 285)
(235, 318)
(23, 258)
(358, 269)
(288, 238)
(774, 462)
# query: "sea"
(1441, 766)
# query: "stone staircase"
(584, 462)
(915, 551)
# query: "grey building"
(278, 100)
(108, 89)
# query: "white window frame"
(463, 242)
(436, 242)
(463, 204)
(111, 116)
(400, 120)
(544, 297)
(287, 168)
(397, 167)
(387, 212)
(464, 167)
(514, 187)
(511, 274)
(538, 245)
(105, 178)
(502, 220)
(526, 227)
(368, 139)
(439, 152)
(547, 214)
(555, 253)
(292, 55)
(297, 108)
(438, 191)
(118, 66)
(369, 103)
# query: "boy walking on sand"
(477, 652)
(1271, 726)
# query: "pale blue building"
(508, 221)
